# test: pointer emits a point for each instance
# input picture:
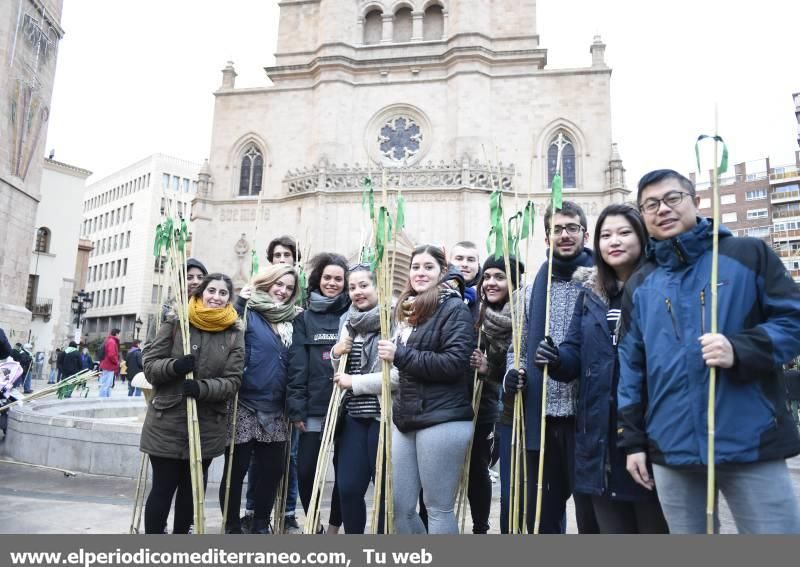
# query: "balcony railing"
(785, 213)
(784, 173)
(781, 195)
(41, 308)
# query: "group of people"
(628, 352)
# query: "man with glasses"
(569, 253)
(666, 350)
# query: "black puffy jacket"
(308, 390)
(434, 369)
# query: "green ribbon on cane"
(368, 194)
(383, 235)
(158, 242)
(494, 242)
(400, 221)
(723, 164)
(556, 188)
(253, 262)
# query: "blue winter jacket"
(266, 365)
(663, 387)
(589, 356)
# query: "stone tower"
(434, 96)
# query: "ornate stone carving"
(454, 175)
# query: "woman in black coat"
(589, 353)
(432, 407)
(310, 370)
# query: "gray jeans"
(431, 459)
(761, 498)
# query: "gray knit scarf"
(368, 324)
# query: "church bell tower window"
(251, 172)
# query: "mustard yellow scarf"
(211, 319)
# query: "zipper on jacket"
(672, 316)
(678, 252)
(702, 312)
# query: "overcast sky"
(135, 78)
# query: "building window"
(755, 195)
(125, 267)
(252, 169)
(33, 290)
(186, 184)
(433, 23)
(116, 296)
(400, 139)
(567, 160)
(705, 203)
(154, 296)
(729, 217)
(130, 212)
(165, 181)
(758, 232)
(42, 240)
(402, 25)
(373, 27)
(757, 214)
(122, 294)
(728, 200)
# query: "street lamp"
(138, 324)
(80, 305)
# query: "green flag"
(556, 189)
(253, 262)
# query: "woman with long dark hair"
(589, 354)
(217, 360)
(432, 407)
(261, 429)
(310, 371)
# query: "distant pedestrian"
(54, 356)
(134, 363)
(109, 363)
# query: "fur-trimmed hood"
(587, 277)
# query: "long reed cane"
(141, 488)
(461, 500)
(229, 467)
(326, 442)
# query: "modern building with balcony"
(51, 279)
(120, 215)
(784, 185)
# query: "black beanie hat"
(499, 263)
(192, 263)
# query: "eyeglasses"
(671, 199)
(571, 228)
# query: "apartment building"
(120, 215)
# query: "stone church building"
(439, 99)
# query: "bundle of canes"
(72, 381)
(385, 232)
(503, 240)
(711, 490)
(283, 489)
(174, 237)
(556, 205)
(324, 457)
(461, 498)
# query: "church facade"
(441, 99)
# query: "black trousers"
(479, 490)
(634, 517)
(169, 476)
(307, 453)
(268, 459)
(558, 480)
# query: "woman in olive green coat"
(216, 361)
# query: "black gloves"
(547, 354)
(515, 381)
(183, 365)
(191, 388)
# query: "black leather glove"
(515, 381)
(547, 354)
(183, 365)
(191, 389)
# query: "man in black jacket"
(134, 363)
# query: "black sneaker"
(290, 525)
(247, 524)
(234, 529)
(261, 527)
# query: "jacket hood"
(685, 248)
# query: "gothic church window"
(402, 25)
(373, 27)
(400, 138)
(433, 23)
(42, 240)
(567, 160)
(251, 172)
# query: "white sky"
(134, 78)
